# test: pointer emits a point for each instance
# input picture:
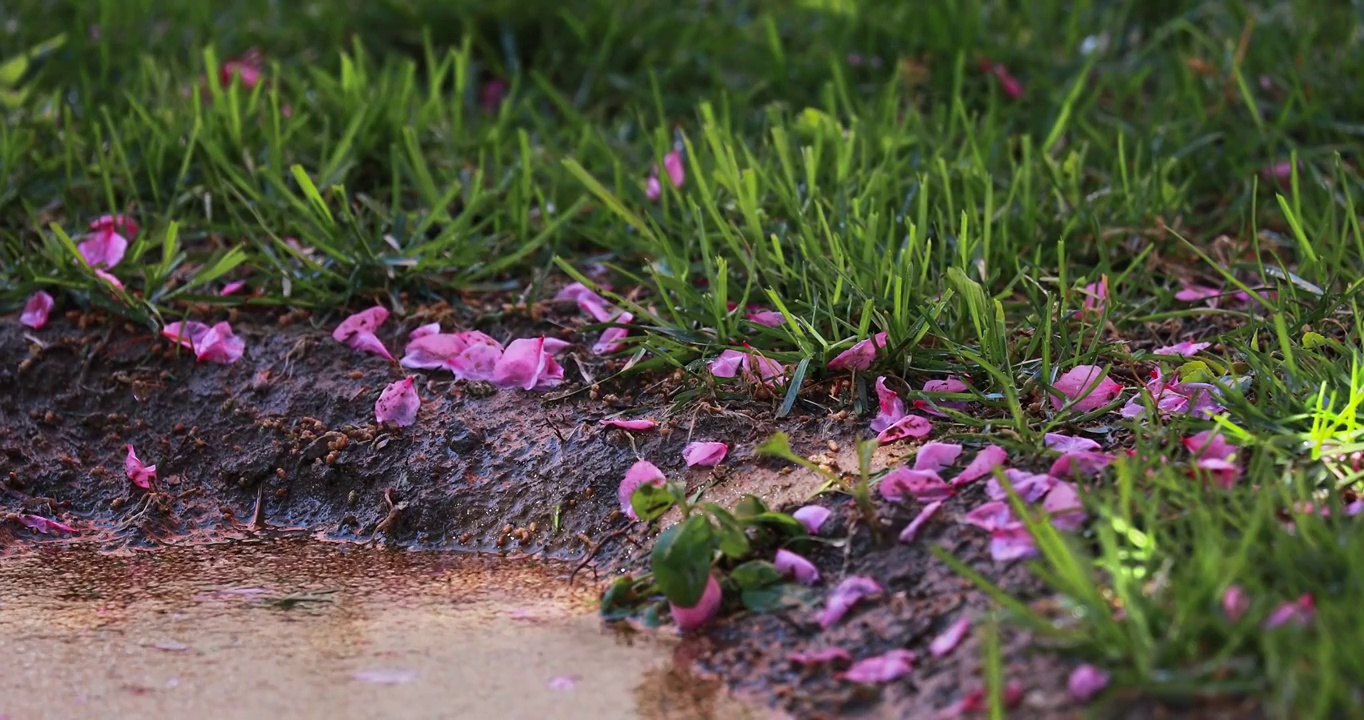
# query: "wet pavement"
(301, 629)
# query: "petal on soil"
(1069, 443)
(641, 473)
(424, 331)
(611, 340)
(812, 517)
(476, 363)
(1297, 612)
(727, 365)
(950, 638)
(188, 333)
(820, 657)
(1029, 486)
(843, 597)
(398, 404)
(36, 309)
(526, 365)
(985, 462)
(432, 350)
(794, 565)
(1083, 386)
(139, 473)
(1186, 348)
(577, 292)
(860, 356)
(882, 668)
(630, 424)
(936, 456)
(386, 676)
(219, 345)
(43, 525)
(1096, 296)
(232, 288)
(1012, 543)
(1086, 681)
(563, 682)
(910, 427)
(922, 485)
(705, 454)
(363, 321)
(368, 342)
(703, 611)
(1064, 506)
(912, 529)
(891, 408)
(1235, 603)
(1080, 464)
(991, 516)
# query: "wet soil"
(284, 442)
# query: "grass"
(900, 190)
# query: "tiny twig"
(591, 553)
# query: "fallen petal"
(1080, 464)
(43, 525)
(950, 638)
(676, 169)
(386, 676)
(630, 424)
(103, 249)
(1186, 348)
(368, 342)
(232, 288)
(705, 454)
(562, 682)
(612, 338)
(422, 331)
(991, 516)
(1086, 386)
(641, 473)
(1298, 612)
(820, 657)
(109, 278)
(188, 333)
(860, 356)
(398, 404)
(1068, 443)
(985, 462)
(139, 473)
(882, 668)
(1235, 603)
(703, 611)
(363, 321)
(891, 408)
(812, 517)
(1012, 543)
(936, 456)
(1086, 681)
(36, 310)
(789, 563)
(843, 597)
(1029, 486)
(219, 345)
(1195, 293)
(912, 529)
(910, 427)
(727, 364)
(922, 485)
(1063, 504)
(768, 318)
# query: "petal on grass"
(1298, 612)
(612, 338)
(642, 472)
(860, 356)
(232, 288)
(675, 167)
(794, 565)
(103, 249)
(812, 517)
(398, 404)
(1196, 293)
(891, 408)
(703, 611)
(138, 472)
(1235, 603)
(950, 638)
(727, 364)
(705, 454)
(911, 530)
(1186, 348)
(882, 668)
(1084, 387)
(1086, 681)
(1080, 464)
(1069, 443)
(843, 597)
(37, 309)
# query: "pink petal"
(188, 333)
(36, 310)
(820, 657)
(985, 462)
(554, 346)
(43, 525)
(1096, 296)
(922, 485)
(492, 93)
(1210, 444)
(599, 309)
(1069, 443)
(789, 563)
(727, 364)
(975, 701)
(142, 475)
(1080, 464)
(1195, 293)
(1086, 681)
(882, 668)
(912, 529)
(842, 598)
(578, 292)
(762, 370)
(476, 363)
(936, 456)
(908, 427)
(1082, 385)
(703, 611)
(423, 331)
(705, 454)
(991, 516)
(1235, 603)
(950, 385)
(676, 169)
(1298, 612)
(1029, 486)
(432, 350)
(1280, 171)
(1012, 543)
(109, 223)
(398, 403)
(630, 424)
(386, 676)
(103, 249)
(248, 68)
(641, 473)
(891, 408)
(232, 288)
(562, 682)
(363, 321)
(611, 338)
(219, 345)
(1008, 84)
(812, 517)
(526, 365)
(1186, 348)
(109, 278)
(860, 356)
(368, 342)
(653, 189)
(950, 638)
(769, 318)
(1063, 504)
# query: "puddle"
(301, 629)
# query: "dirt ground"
(284, 441)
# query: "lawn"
(1119, 240)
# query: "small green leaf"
(749, 507)
(781, 522)
(651, 501)
(755, 575)
(1314, 340)
(732, 540)
(777, 598)
(1195, 371)
(681, 560)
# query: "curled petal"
(922, 485)
(703, 611)
(706, 454)
(398, 404)
(43, 525)
(985, 462)
(950, 638)
(812, 517)
(139, 473)
(789, 563)
(1087, 388)
(727, 364)
(363, 321)
(860, 356)
(526, 365)
(641, 473)
(882, 668)
(612, 337)
(843, 597)
(909, 427)
(642, 424)
(890, 408)
(37, 309)
(219, 345)
(368, 342)
(424, 331)
(1012, 543)
(911, 530)
(232, 288)
(936, 456)
(109, 278)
